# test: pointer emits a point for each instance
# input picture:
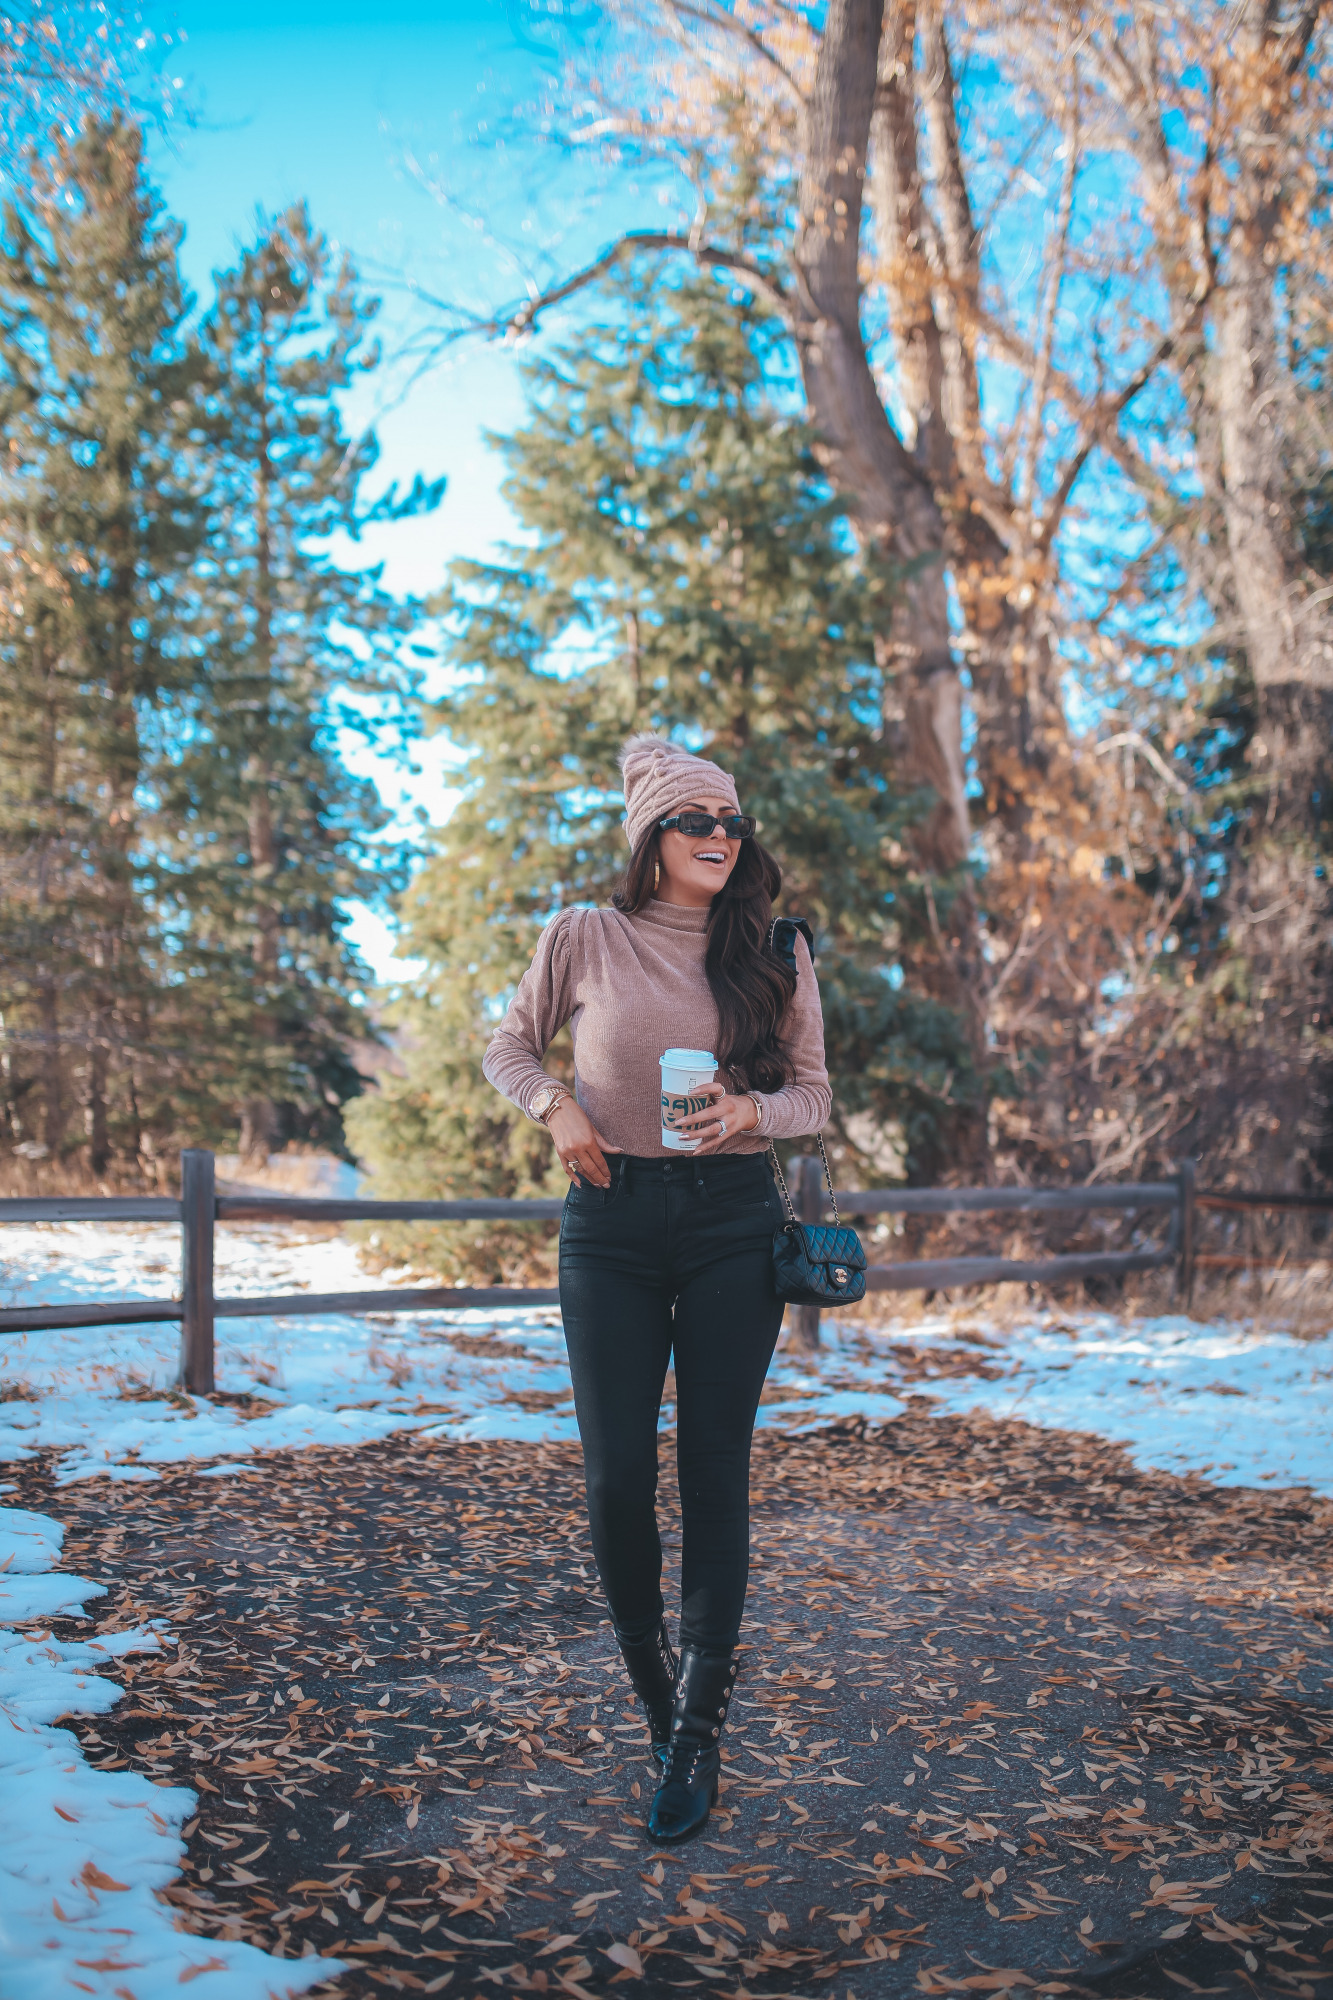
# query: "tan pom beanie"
(660, 778)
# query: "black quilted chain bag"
(813, 1265)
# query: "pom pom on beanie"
(660, 778)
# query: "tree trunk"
(956, 252)
(53, 1089)
(901, 232)
(1278, 900)
(259, 1130)
(48, 993)
(1254, 501)
(865, 72)
(98, 1130)
(259, 1115)
(1288, 641)
(117, 973)
(891, 495)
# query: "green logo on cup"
(675, 1109)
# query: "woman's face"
(694, 869)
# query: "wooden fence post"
(198, 1216)
(1187, 1212)
(809, 1204)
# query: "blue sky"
(351, 105)
(326, 103)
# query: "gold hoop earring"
(657, 876)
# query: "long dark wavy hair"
(753, 988)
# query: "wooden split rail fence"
(201, 1207)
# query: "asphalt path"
(1012, 1718)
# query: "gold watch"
(546, 1100)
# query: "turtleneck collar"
(672, 917)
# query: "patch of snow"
(23, 1598)
(1240, 1405)
(83, 1851)
(29, 1543)
(332, 1379)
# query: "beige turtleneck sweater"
(631, 987)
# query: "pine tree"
(179, 836)
(688, 572)
(273, 833)
(98, 529)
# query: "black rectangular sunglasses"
(736, 826)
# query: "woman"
(660, 1250)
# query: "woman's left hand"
(724, 1118)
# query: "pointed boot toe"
(682, 1805)
(689, 1787)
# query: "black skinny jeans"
(674, 1255)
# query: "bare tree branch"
(62, 61)
(1108, 414)
(728, 24)
(513, 324)
(1131, 739)
(1026, 469)
(1076, 401)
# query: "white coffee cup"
(684, 1071)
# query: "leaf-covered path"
(1012, 1716)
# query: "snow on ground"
(81, 1851)
(1240, 1404)
(330, 1379)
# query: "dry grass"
(34, 1179)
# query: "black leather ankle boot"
(651, 1665)
(688, 1790)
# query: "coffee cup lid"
(688, 1059)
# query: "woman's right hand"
(581, 1147)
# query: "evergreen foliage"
(687, 572)
(271, 835)
(179, 649)
(99, 528)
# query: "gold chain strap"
(773, 1155)
(833, 1199)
